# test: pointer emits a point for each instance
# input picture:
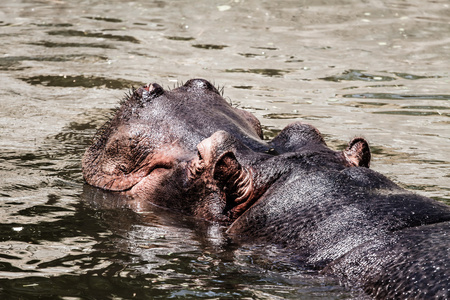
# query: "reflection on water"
(72, 45)
(353, 75)
(264, 72)
(350, 68)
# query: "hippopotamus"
(350, 222)
(154, 133)
(190, 151)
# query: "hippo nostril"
(148, 87)
(149, 92)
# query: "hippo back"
(324, 213)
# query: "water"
(374, 68)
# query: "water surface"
(377, 69)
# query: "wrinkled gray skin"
(190, 151)
(353, 223)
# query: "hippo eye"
(271, 151)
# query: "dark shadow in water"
(243, 87)
(281, 116)
(54, 25)
(360, 75)
(80, 224)
(49, 44)
(264, 72)
(179, 38)
(2, 24)
(265, 48)
(353, 75)
(78, 33)
(413, 77)
(13, 62)
(426, 107)
(209, 46)
(52, 58)
(111, 20)
(250, 54)
(397, 96)
(80, 81)
(411, 113)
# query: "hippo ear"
(358, 153)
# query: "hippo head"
(155, 132)
(244, 176)
(302, 137)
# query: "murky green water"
(374, 68)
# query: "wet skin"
(190, 151)
(350, 222)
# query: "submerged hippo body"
(353, 223)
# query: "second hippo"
(350, 222)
